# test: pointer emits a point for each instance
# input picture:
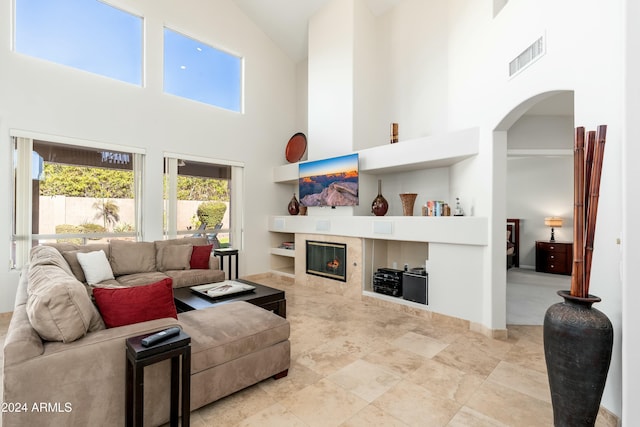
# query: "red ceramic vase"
(379, 207)
(294, 206)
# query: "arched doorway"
(536, 182)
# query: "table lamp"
(553, 221)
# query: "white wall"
(414, 49)
(538, 187)
(331, 64)
(631, 226)
(541, 132)
(51, 99)
(369, 128)
(302, 99)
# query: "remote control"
(159, 336)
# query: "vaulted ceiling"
(286, 21)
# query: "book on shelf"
(287, 245)
(436, 208)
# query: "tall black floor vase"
(578, 340)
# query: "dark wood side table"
(138, 357)
(554, 257)
(227, 252)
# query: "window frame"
(236, 196)
(228, 52)
(139, 66)
(22, 192)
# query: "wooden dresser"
(554, 257)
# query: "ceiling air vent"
(527, 57)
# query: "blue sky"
(190, 66)
(89, 35)
(95, 37)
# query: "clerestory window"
(199, 72)
(89, 35)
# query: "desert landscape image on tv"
(329, 182)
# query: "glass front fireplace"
(327, 259)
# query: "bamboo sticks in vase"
(587, 171)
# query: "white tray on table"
(222, 289)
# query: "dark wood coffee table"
(263, 296)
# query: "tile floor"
(356, 364)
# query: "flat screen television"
(329, 182)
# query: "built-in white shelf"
(286, 173)
(460, 230)
(282, 260)
(283, 252)
(412, 154)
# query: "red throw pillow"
(200, 256)
(125, 306)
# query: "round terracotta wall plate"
(296, 147)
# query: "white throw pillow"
(95, 266)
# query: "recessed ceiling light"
(183, 67)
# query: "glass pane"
(82, 192)
(204, 201)
(199, 72)
(88, 35)
(327, 259)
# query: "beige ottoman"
(234, 345)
